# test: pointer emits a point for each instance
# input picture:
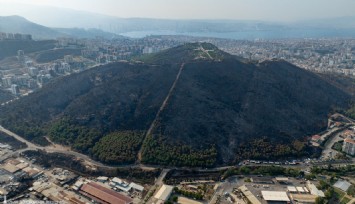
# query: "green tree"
(174, 199)
(320, 200)
(351, 190)
(323, 185)
(118, 147)
(329, 193)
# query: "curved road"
(32, 146)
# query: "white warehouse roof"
(102, 178)
(291, 189)
(314, 190)
(343, 185)
(136, 186)
(300, 189)
(275, 196)
(164, 193)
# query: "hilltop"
(187, 53)
(202, 107)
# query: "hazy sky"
(275, 10)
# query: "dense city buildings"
(318, 55)
(15, 36)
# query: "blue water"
(251, 35)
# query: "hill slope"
(218, 111)
(5, 96)
(10, 48)
(18, 24)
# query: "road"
(328, 152)
(223, 188)
(158, 184)
(50, 149)
(8, 132)
(348, 119)
(160, 179)
(32, 146)
(334, 136)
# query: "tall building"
(21, 56)
(15, 89)
(7, 81)
(68, 59)
(33, 71)
(349, 145)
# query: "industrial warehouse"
(104, 195)
(277, 191)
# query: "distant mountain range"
(191, 105)
(18, 24)
(67, 18)
(65, 22)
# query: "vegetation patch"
(68, 133)
(158, 151)
(338, 146)
(194, 195)
(263, 170)
(351, 111)
(334, 172)
(265, 149)
(118, 147)
(351, 191)
(345, 200)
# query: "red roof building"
(316, 138)
(104, 195)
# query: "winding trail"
(162, 107)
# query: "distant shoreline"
(255, 34)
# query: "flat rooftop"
(164, 192)
(275, 196)
(249, 195)
(104, 194)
